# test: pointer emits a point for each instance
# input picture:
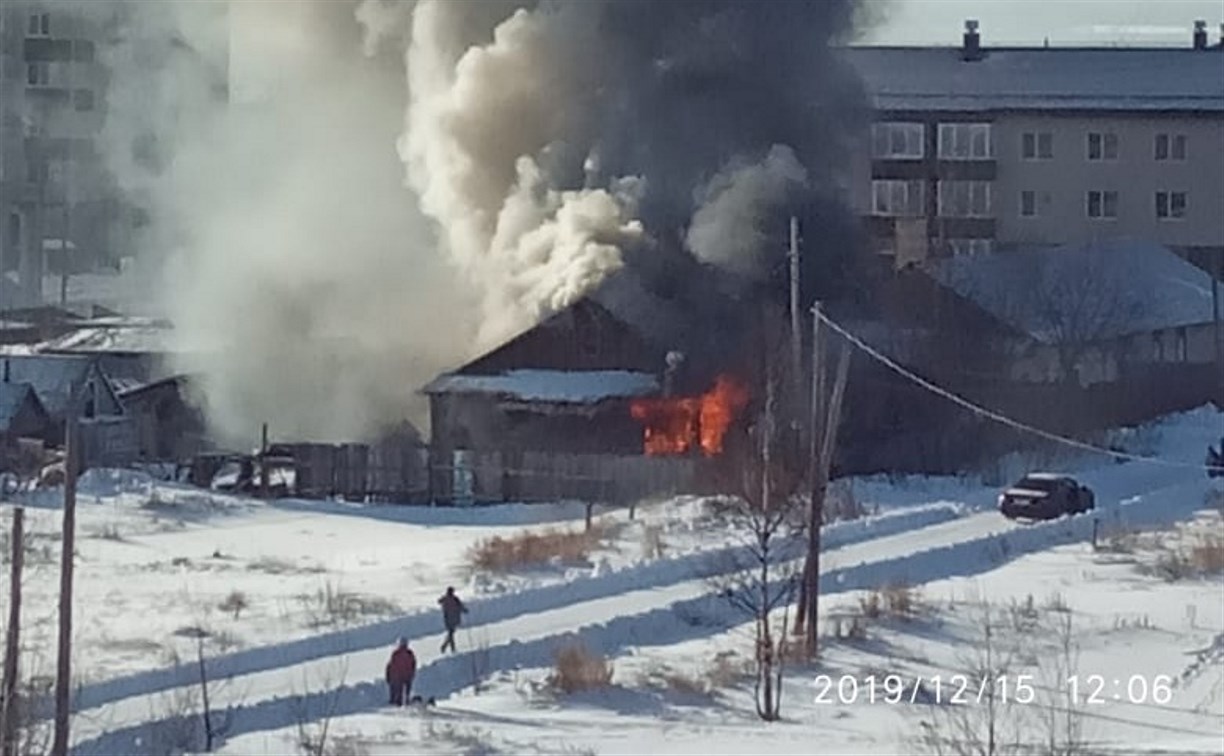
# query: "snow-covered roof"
(1128, 79)
(1070, 294)
(569, 387)
(144, 338)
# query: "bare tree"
(1076, 303)
(764, 513)
(314, 721)
(1060, 717)
(966, 722)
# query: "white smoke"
(305, 291)
(729, 228)
(481, 119)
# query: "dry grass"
(1207, 554)
(577, 669)
(727, 669)
(234, 603)
(653, 546)
(898, 601)
(532, 548)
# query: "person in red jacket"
(400, 671)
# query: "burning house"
(622, 377)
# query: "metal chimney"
(971, 48)
(1200, 35)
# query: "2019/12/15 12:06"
(968, 689)
(1136, 689)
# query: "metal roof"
(1070, 294)
(1054, 78)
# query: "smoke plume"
(640, 118)
(305, 290)
(545, 145)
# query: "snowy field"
(300, 601)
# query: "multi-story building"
(54, 199)
(60, 208)
(977, 149)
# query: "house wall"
(477, 422)
(167, 428)
(1101, 363)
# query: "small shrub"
(1023, 614)
(1056, 602)
(533, 548)
(1207, 554)
(577, 669)
(109, 532)
(653, 546)
(331, 605)
(1173, 564)
(678, 682)
(234, 603)
(727, 669)
(870, 605)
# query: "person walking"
(452, 616)
(400, 672)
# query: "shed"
(168, 427)
(21, 413)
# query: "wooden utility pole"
(63, 672)
(264, 473)
(795, 325)
(10, 713)
(815, 402)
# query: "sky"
(1030, 22)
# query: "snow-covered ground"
(300, 601)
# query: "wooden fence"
(468, 477)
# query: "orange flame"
(678, 425)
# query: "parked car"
(1045, 496)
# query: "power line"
(997, 417)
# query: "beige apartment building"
(977, 149)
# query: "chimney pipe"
(1221, 43)
(971, 48)
(1200, 35)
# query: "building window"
(38, 74)
(1102, 146)
(39, 26)
(962, 247)
(1170, 205)
(1170, 147)
(904, 141)
(965, 141)
(1102, 204)
(1037, 145)
(1028, 204)
(1182, 345)
(964, 199)
(898, 198)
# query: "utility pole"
(10, 714)
(796, 334)
(63, 671)
(815, 402)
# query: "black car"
(1045, 496)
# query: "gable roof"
(53, 377)
(1065, 294)
(1055, 78)
(13, 396)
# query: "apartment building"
(61, 210)
(976, 149)
(54, 201)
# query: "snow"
(1128, 79)
(1149, 289)
(572, 387)
(157, 559)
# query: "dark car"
(1045, 496)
